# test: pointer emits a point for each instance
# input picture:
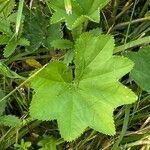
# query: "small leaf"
(33, 63)
(80, 11)
(9, 120)
(96, 31)
(54, 33)
(68, 58)
(2, 103)
(4, 39)
(10, 48)
(23, 42)
(3, 3)
(147, 14)
(48, 143)
(5, 71)
(12, 45)
(23, 145)
(62, 44)
(141, 70)
(7, 7)
(5, 26)
(2, 106)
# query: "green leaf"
(96, 31)
(81, 11)
(2, 103)
(141, 70)
(48, 143)
(5, 71)
(5, 26)
(62, 44)
(10, 47)
(34, 28)
(87, 96)
(54, 33)
(4, 39)
(9, 120)
(6, 7)
(23, 145)
(2, 106)
(68, 58)
(39, 31)
(23, 42)
(87, 49)
(3, 4)
(12, 44)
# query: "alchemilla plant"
(84, 92)
(74, 74)
(84, 96)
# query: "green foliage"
(10, 48)
(54, 32)
(87, 96)
(2, 103)
(7, 27)
(12, 45)
(81, 11)
(5, 71)
(69, 56)
(62, 44)
(23, 145)
(9, 120)
(96, 31)
(6, 7)
(2, 106)
(38, 31)
(83, 90)
(48, 143)
(19, 16)
(141, 70)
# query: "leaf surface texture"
(89, 98)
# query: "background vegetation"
(26, 44)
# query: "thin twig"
(132, 22)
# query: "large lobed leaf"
(81, 11)
(89, 98)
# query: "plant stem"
(125, 8)
(140, 41)
(129, 25)
(140, 142)
(7, 96)
(115, 7)
(124, 128)
(132, 22)
(144, 8)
